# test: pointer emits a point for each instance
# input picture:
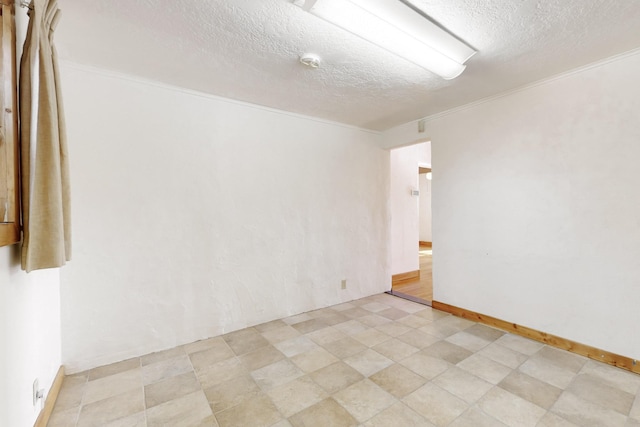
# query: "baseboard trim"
(594, 353)
(423, 243)
(50, 401)
(409, 276)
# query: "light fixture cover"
(395, 27)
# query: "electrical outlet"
(35, 391)
(344, 284)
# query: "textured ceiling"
(248, 50)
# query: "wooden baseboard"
(50, 401)
(409, 276)
(425, 244)
(594, 353)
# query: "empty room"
(207, 203)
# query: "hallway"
(421, 288)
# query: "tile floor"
(378, 361)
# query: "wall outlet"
(343, 285)
(35, 391)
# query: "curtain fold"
(44, 156)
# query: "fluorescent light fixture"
(397, 28)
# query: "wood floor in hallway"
(421, 288)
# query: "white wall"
(29, 325)
(536, 207)
(424, 210)
(404, 208)
(195, 216)
(29, 336)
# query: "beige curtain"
(45, 177)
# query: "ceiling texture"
(248, 50)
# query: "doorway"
(411, 223)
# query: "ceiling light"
(310, 60)
(397, 28)
(429, 176)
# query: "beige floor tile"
(245, 340)
(546, 371)
(220, 372)
(562, 359)
(469, 341)
(414, 321)
(519, 344)
(113, 408)
(592, 390)
(71, 393)
(297, 345)
(324, 414)
(485, 332)
(326, 335)
(202, 345)
(261, 357)
(439, 330)
(394, 329)
(216, 352)
(335, 319)
(437, 405)
(258, 411)
(503, 355)
(191, 409)
(395, 349)
(583, 413)
(531, 389)
(635, 409)
(475, 417)
(309, 326)
(164, 369)
(462, 384)
(375, 307)
(64, 417)
(405, 305)
(398, 380)
(351, 327)
(170, 388)
(446, 351)
(292, 320)
(393, 313)
(284, 333)
(426, 366)
(456, 322)
(485, 368)
(314, 359)
(371, 337)
(368, 362)
(162, 355)
(296, 395)
(112, 385)
(431, 314)
(114, 368)
(510, 409)
(135, 420)
(344, 306)
(345, 347)
(231, 393)
(552, 420)
(269, 326)
(632, 422)
(276, 374)
(282, 423)
(373, 320)
(355, 313)
(615, 377)
(336, 377)
(398, 415)
(364, 399)
(418, 339)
